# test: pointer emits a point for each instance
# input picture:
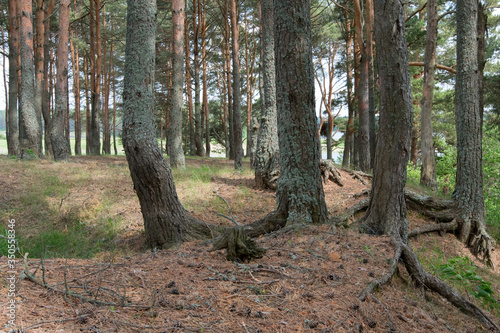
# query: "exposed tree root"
(384, 279)
(238, 245)
(330, 172)
(343, 220)
(449, 226)
(418, 273)
(404, 253)
(445, 213)
(359, 176)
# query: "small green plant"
(462, 271)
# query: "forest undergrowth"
(87, 267)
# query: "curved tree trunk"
(166, 221)
(175, 128)
(387, 209)
(60, 144)
(267, 154)
(428, 171)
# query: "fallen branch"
(342, 220)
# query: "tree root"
(404, 253)
(238, 245)
(359, 176)
(384, 279)
(481, 245)
(449, 226)
(330, 172)
(343, 220)
(418, 273)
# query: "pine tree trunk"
(189, 90)
(371, 80)
(47, 118)
(205, 111)
(363, 96)
(106, 133)
(387, 209)
(200, 151)
(13, 131)
(166, 222)
(267, 154)
(428, 170)
(175, 129)
(75, 55)
(347, 157)
(87, 104)
(30, 125)
(95, 78)
(60, 144)
(300, 190)
(227, 34)
(469, 182)
(39, 53)
(235, 52)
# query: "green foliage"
(491, 173)
(446, 167)
(462, 272)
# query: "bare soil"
(308, 281)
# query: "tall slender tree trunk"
(468, 193)
(113, 78)
(482, 20)
(428, 170)
(95, 77)
(235, 51)
(363, 95)
(75, 55)
(387, 208)
(39, 53)
(47, 118)
(5, 83)
(30, 125)
(60, 144)
(348, 139)
(205, 84)
(87, 103)
(267, 154)
(371, 80)
(227, 41)
(106, 133)
(189, 89)
(200, 151)
(13, 131)
(175, 128)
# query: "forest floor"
(83, 218)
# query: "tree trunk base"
(419, 275)
(238, 245)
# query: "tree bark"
(189, 89)
(347, 158)
(363, 134)
(39, 54)
(300, 192)
(75, 55)
(60, 144)
(387, 209)
(267, 154)
(200, 150)
(175, 128)
(166, 222)
(13, 131)
(469, 179)
(94, 142)
(47, 119)
(235, 51)
(428, 170)
(30, 125)
(371, 80)
(205, 110)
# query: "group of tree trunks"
(300, 197)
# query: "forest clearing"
(101, 277)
